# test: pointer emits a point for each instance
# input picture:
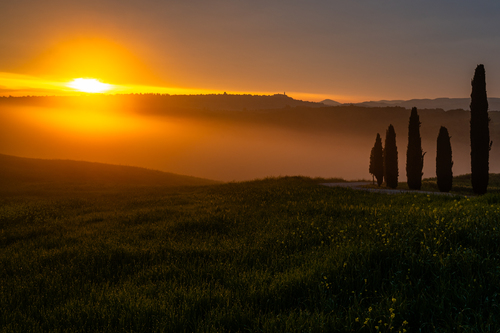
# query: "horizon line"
(82, 94)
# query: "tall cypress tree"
(480, 143)
(377, 160)
(391, 171)
(444, 162)
(414, 156)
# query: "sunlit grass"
(276, 255)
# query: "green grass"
(461, 185)
(274, 255)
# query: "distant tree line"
(384, 160)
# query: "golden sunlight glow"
(94, 119)
(91, 58)
(25, 85)
(89, 85)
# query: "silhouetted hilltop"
(230, 102)
(15, 171)
(438, 103)
(330, 102)
(207, 102)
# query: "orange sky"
(343, 50)
(52, 71)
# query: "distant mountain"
(438, 103)
(15, 171)
(330, 102)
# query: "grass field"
(273, 255)
(461, 185)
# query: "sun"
(89, 85)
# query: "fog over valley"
(282, 137)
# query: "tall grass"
(275, 255)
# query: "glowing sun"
(89, 85)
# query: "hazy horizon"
(226, 145)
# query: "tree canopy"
(479, 132)
(391, 171)
(444, 161)
(377, 160)
(414, 153)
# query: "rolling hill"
(18, 171)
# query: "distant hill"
(16, 171)
(438, 103)
(152, 103)
(157, 101)
(330, 102)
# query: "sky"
(348, 51)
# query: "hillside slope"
(16, 171)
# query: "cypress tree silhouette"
(444, 162)
(480, 143)
(377, 160)
(391, 158)
(414, 156)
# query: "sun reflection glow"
(89, 85)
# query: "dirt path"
(359, 186)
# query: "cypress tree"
(377, 160)
(391, 158)
(444, 162)
(414, 156)
(480, 143)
